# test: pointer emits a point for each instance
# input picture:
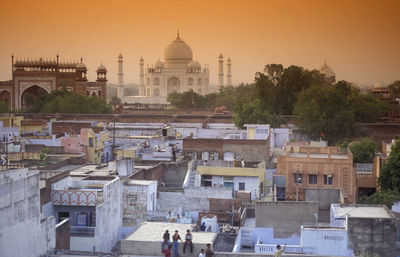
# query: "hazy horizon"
(358, 39)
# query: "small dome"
(380, 85)
(220, 56)
(101, 68)
(159, 64)
(192, 64)
(327, 71)
(120, 56)
(229, 59)
(141, 59)
(178, 50)
(218, 110)
(81, 66)
(198, 65)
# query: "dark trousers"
(191, 246)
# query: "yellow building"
(11, 120)
(126, 152)
(95, 145)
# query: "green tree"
(115, 100)
(249, 111)
(389, 179)
(278, 87)
(368, 108)
(395, 89)
(63, 101)
(363, 151)
(326, 112)
(175, 99)
(387, 198)
(4, 107)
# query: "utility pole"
(113, 144)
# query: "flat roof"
(153, 231)
(320, 156)
(141, 182)
(362, 211)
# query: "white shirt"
(202, 255)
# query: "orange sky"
(360, 40)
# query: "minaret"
(228, 72)
(221, 71)
(120, 87)
(141, 77)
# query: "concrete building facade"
(317, 167)
(93, 206)
(22, 230)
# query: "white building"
(22, 231)
(178, 72)
(93, 207)
(138, 197)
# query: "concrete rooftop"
(153, 231)
(141, 182)
(362, 212)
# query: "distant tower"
(141, 77)
(120, 87)
(221, 71)
(228, 72)
(328, 73)
(101, 80)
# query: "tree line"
(63, 101)
(323, 110)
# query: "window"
(228, 184)
(207, 180)
(148, 81)
(328, 179)
(297, 178)
(190, 81)
(82, 219)
(156, 81)
(200, 82)
(242, 186)
(312, 179)
(90, 141)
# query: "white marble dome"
(178, 50)
(380, 85)
(159, 64)
(327, 71)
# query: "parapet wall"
(286, 218)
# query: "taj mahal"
(178, 72)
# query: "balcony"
(77, 197)
(291, 249)
(366, 179)
(81, 231)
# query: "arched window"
(156, 81)
(200, 82)
(156, 92)
(190, 81)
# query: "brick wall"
(218, 205)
